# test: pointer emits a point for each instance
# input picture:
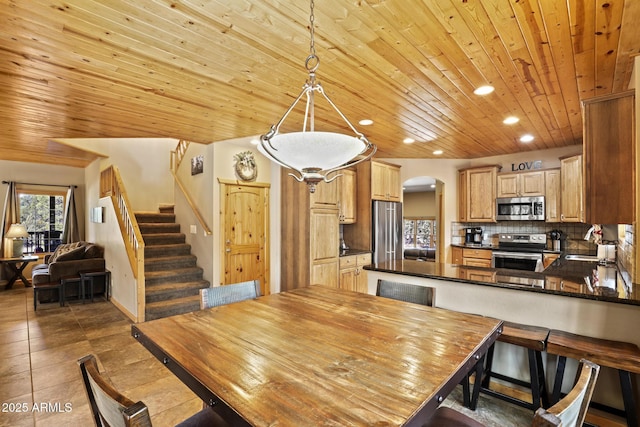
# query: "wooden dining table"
(320, 356)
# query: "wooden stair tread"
(613, 354)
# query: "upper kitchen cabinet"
(609, 158)
(370, 175)
(571, 189)
(552, 195)
(325, 196)
(385, 182)
(347, 196)
(521, 184)
(477, 194)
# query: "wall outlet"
(193, 229)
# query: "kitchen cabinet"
(352, 276)
(477, 194)
(310, 234)
(559, 284)
(456, 255)
(476, 257)
(347, 196)
(325, 196)
(571, 189)
(485, 276)
(552, 195)
(358, 234)
(548, 259)
(609, 158)
(523, 184)
(385, 182)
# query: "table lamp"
(17, 232)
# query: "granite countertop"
(579, 279)
(350, 252)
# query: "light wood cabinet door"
(609, 158)
(456, 255)
(481, 194)
(348, 279)
(507, 185)
(523, 184)
(326, 195)
(462, 196)
(478, 275)
(324, 234)
(347, 197)
(385, 182)
(571, 190)
(548, 259)
(325, 273)
(552, 195)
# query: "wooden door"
(508, 185)
(379, 183)
(245, 219)
(481, 192)
(532, 184)
(347, 196)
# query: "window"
(419, 233)
(42, 212)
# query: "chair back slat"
(571, 410)
(228, 294)
(417, 294)
(109, 407)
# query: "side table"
(17, 265)
(88, 278)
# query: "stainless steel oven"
(519, 252)
(520, 208)
(517, 260)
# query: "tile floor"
(40, 383)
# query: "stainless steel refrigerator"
(387, 231)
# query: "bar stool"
(623, 356)
(534, 339)
(47, 286)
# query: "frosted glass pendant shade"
(314, 150)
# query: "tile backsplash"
(573, 233)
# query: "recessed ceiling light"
(484, 90)
(408, 140)
(365, 122)
(255, 141)
(511, 120)
(433, 186)
(437, 152)
(526, 138)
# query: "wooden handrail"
(176, 159)
(111, 185)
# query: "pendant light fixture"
(314, 155)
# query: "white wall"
(419, 203)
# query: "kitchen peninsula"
(558, 298)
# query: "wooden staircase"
(172, 277)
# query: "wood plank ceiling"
(211, 70)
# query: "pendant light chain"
(312, 62)
(312, 47)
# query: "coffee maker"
(473, 235)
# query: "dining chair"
(570, 411)
(406, 292)
(111, 408)
(227, 294)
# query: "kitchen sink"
(573, 257)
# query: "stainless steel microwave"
(520, 208)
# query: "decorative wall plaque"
(245, 166)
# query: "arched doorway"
(422, 213)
